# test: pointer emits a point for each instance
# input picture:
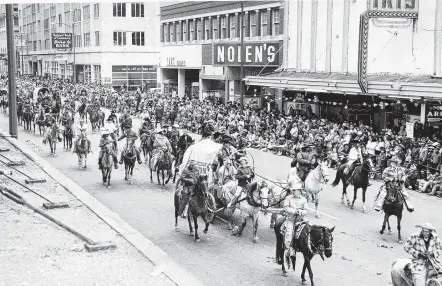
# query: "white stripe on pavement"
(327, 215)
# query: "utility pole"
(21, 50)
(11, 72)
(241, 83)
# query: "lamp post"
(11, 73)
(74, 75)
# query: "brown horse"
(393, 205)
(53, 136)
(313, 239)
(198, 206)
(164, 164)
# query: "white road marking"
(327, 215)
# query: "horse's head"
(260, 194)
(328, 241)
(322, 171)
(367, 164)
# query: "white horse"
(314, 181)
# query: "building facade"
(115, 44)
(200, 46)
(372, 60)
(18, 41)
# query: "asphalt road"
(361, 256)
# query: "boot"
(99, 164)
(115, 162)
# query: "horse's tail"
(338, 177)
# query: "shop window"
(87, 39)
(223, 27)
(97, 72)
(232, 20)
(275, 24)
(137, 38)
(97, 10)
(264, 23)
(97, 38)
(119, 9)
(87, 74)
(253, 29)
(62, 71)
(119, 38)
(137, 10)
(54, 69)
(86, 13)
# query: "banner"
(255, 54)
(409, 128)
(62, 41)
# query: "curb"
(151, 251)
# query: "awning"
(397, 86)
(213, 77)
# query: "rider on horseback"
(244, 175)
(161, 143)
(125, 120)
(174, 136)
(81, 130)
(393, 176)
(294, 208)
(426, 248)
(354, 159)
(131, 137)
(188, 179)
(113, 117)
(305, 162)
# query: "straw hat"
(426, 225)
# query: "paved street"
(361, 256)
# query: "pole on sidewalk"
(11, 73)
(241, 84)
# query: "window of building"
(137, 38)
(62, 71)
(39, 45)
(185, 37)
(60, 22)
(171, 33)
(97, 10)
(165, 33)
(119, 9)
(137, 10)
(54, 69)
(223, 27)
(178, 31)
(192, 30)
(77, 41)
(77, 35)
(47, 67)
(47, 44)
(97, 38)
(87, 39)
(215, 28)
(264, 23)
(275, 24)
(253, 29)
(232, 20)
(76, 15)
(87, 73)
(34, 46)
(45, 24)
(53, 27)
(97, 73)
(15, 21)
(67, 18)
(86, 13)
(199, 30)
(207, 29)
(119, 38)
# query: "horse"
(313, 183)
(68, 134)
(278, 193)
(147, 146)
(52, 137)
(40, 121)
(250, 202)
(94, 118)
(198, 206)
(312, 240)
(393, 205)
(360, 180)
(82, 111)
(107, 162)
(19, 112)
(129, 158)
(163, 164)
(28, 117)
(179, 158)
(82, 149)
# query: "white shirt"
(354, 154)
(111, 126)
(371, 146)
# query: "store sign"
(434, 112)
(254, 54)
(173, 62)
(133, 69)
(393, 5)
(62, 41)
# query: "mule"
(107, 163)
(313, 239)
(83, 148)
(250, 203)
(313, 183)
(393, 206)
(360, 180)
(198, 206)
(129, 158)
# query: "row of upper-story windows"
(136, 10)
(258, 23)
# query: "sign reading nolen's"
(255, 54)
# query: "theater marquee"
(393, 5)
(255, 54)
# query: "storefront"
(134, 77)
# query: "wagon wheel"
(211, 204)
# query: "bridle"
(322, 176)
(320, 248)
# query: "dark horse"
(179, 157)
(313, 239)
(163, 164)
(393, 205)
(360, 180)
(129, 157)
(107, 162)
(28, 117)
(68, 134)
(147, 140)
(82, 111)
(40, 121)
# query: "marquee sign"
(393, 5)
(255, 54)
(434, 113)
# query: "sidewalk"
(36, 251)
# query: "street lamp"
(74, 76)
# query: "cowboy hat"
(175, 126)
(426, 225)
(296, 186)
(105, 132)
